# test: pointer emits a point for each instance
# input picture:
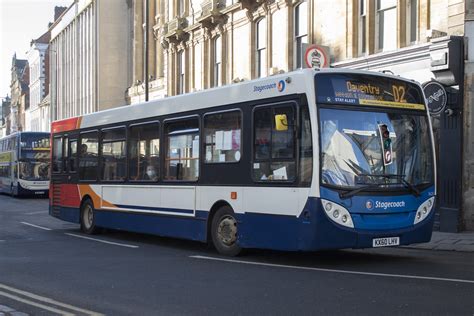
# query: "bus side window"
(182, 150)
(113, 154)
(144, 152)
(274, 146)
(222, 135)
(88, 157)
(57, 154)
(306, 148)
(65, 154)
(72, 155)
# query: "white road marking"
(102, 241)
(33, 225)
(31, 303)
(44, 300)
(416, 277)
(37, 212)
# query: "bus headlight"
(337, 213)
(424, 210)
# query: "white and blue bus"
(24, 163)
(301, 161)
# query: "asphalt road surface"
(48, 267)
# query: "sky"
(20, 22)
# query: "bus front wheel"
(224, 232)
(88, 218)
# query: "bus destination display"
(368, 91)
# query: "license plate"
(386, 242)
(39, 192)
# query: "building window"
(261, 48)
(387, 24)
(217, 62)
(301, 31)
(362, 27)
(180, 8)
(181, 72)
(412, 21)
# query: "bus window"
(88, 156)
(222, 134)
(274, 149)
(306, 148)
(57, 154)
(144, 149)
(113, 154)
(182, 150)
(65, 154)
(72, 155)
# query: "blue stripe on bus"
(160, 209)
(313, 230)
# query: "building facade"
(19, 95)
(90, 59)
(37, 117)
(4, 113)
(196, 44)
(37, 56)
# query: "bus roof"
(296, 82)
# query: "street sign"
(315, 56)
(436, 97)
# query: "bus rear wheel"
(88, 218)
(224, 232)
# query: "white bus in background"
(24, 163)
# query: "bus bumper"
(329, 235)
(313, 231)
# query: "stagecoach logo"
(280, 86)
(369, 204)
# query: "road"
(48, 267)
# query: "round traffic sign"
(316, 57)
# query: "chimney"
(58, 11)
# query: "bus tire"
(224, 232)
(88, 218)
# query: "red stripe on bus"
(66, 125)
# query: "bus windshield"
(34, 157)
(357, 147)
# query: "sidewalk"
(448, 241)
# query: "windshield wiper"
(351, 193)
(407, 184)
(401, 177)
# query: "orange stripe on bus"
(85, 189)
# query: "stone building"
(37, 56)
(19, 95)
(90, 57)
(37, 117)
(196, 44)
(4, 113)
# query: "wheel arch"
(84, 199)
